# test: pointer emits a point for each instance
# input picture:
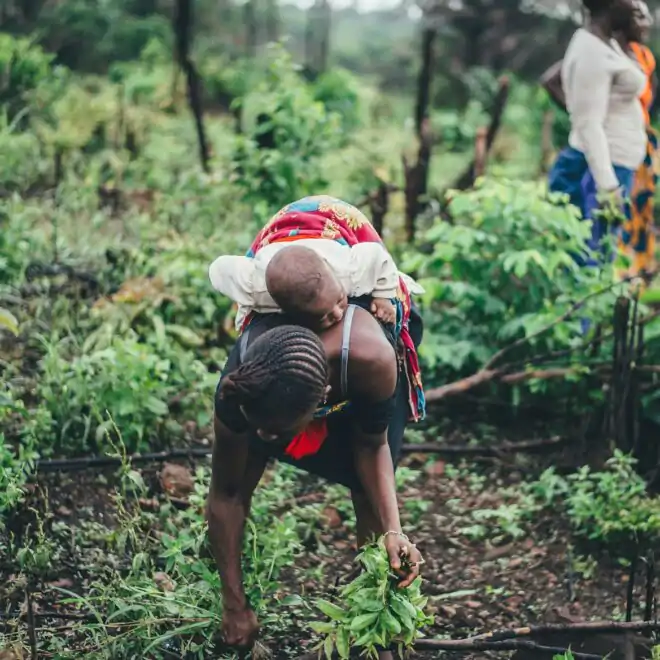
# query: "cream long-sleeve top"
(363, 269)
(602, 87)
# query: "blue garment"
(571, 175)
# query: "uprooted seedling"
(372, 611)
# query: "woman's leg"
(566, 175)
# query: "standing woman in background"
(637, 238)
(601, 86)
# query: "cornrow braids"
(284, 374)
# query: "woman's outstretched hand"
(405, 558)
(240, 628)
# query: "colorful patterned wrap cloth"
(330, 218)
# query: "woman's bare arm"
(372, 375)
(235, 475)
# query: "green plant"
(24, 66)
(612, 506)
(277, 160)
(131, 381)
(503, 270)
(16, 467)
(372, 612)
(338, 90)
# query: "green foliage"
(502, 270)
(457, 131)
(8, 321)
(17, 460)
(339, 92)
(23, 165)
(169, 598)
(611, 507)
(24, 67)
(281, 111)
(372, 612)
(128, 380)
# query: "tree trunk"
(425, 78)
(466, 180)
(250, 18)
(325, 23)
(273, 21)
(182, 29)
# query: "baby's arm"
(233, 277)
(374, 272)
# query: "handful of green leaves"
(610, 208)
(372, 611)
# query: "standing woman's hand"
(405, 558)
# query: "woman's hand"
(240, 628)
(405, 558)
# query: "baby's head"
(302, 284)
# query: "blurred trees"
(473, 36)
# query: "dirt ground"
(477, 583)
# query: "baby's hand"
(383, 309)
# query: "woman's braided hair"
(284, 373)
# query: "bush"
(127, 385)
(24, 66)
(339, 92)
(286, 133)
(611, 506)
(502, 270)
(23, 164)
(16, 458)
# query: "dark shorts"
(334, 461)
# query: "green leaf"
(8, 321)
(343, 643)
(363, 621)
(331, 610)
(322, 627)
(156, 406)
(405, 612)
(328, 647)
(390, 622)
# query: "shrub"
(501, 270)
(286, 133)
(24, 66)
(128, 381)
(338, 90)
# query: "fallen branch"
(488, 372)
(73, 464)
(85, 462)
(560, 319)
(589, 627)
(460, 645)
(449, 450)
